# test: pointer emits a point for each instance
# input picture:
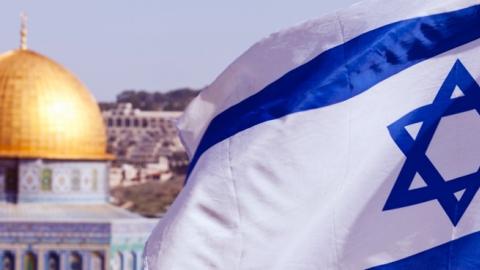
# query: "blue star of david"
(414, 149)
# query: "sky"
(153, 45)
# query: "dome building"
(54, 209)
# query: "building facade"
(54, 190)
(146, 143)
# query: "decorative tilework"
(55, 233)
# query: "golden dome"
(45, 112)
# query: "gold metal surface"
(45, 112)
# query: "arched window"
(8, 261)
(153, 122)
(119, 122)
(75, 261)
(29, 261)
(53, 261)
(97, 261)
(46, 179)
(134, 260)
(110, 122)
(118, 261)
(11, 184)
(130, 261)
(144, 122)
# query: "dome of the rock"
(45, 112)
(54, 173)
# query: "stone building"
(144, 139)
(54, 209)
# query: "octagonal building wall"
(53, 181)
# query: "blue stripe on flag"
(347, 70)
(460, 254)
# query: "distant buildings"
(145, 143)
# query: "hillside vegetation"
(175, 100)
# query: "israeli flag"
(347, 142)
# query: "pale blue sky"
(112, 45)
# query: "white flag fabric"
(347, 142)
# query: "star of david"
(415, 148)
